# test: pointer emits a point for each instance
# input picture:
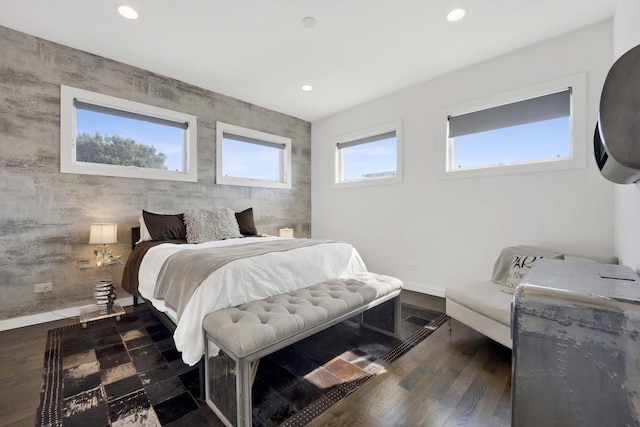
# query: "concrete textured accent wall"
(45, 215)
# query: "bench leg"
(244, 379)
(385, 318)
(223, 385)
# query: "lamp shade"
(103, 234)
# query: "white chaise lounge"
(486, 306)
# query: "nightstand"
(97, 312)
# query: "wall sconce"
(286, 232)
(103, 234)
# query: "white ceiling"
(259, 51)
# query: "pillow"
(520, 266)
(602, 260)
(165, 227)
(205, 225)
(144, 233)
(503, 263)
(579, 258)
(245, 222)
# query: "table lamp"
(103, 234)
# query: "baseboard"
(50, 316)
(425, 289)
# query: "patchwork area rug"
(128, 373)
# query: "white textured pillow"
(520, 266)
(205, 225)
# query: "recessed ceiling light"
(455, 15)
(309, 22)
(127, 11)
(307, 88)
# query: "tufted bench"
(238, 337)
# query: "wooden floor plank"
(486, 406)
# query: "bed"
(238, 281)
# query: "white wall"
(627, 197)
(454, 229)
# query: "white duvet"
(243, 281)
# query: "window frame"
(285, 157)
(394, 126)
(68, 133)
(577, 133)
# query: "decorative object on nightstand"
(105, 294)
(286, 232)
(103, 234)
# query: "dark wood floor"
(452, 378)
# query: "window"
(104, 135)
(252, 158)
(371, 156)
(527, 130)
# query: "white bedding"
(243, 281)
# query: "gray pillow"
(205, 225)
(503, 263)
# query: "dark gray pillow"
(246, 223)
(165, 227)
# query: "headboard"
(135, 236)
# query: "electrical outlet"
(42, 287)
(410, 265)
